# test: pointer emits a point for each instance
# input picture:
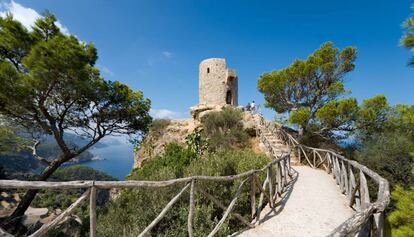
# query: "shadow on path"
(280, 205)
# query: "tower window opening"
(228, 97)
(208, 70)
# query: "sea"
(114, 158)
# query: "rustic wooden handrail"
(270, 189)
(369, 216)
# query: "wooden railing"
(278, 173)
(351, 178)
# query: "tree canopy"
(408, 38)
(10, 141)
(49, 85)
(305, 87)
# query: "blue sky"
(156, 46)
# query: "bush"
(174, 157)
(389, 154)
(62, 199)
(136, 208)
(402, 218)
(158, 125)
(220, 121)
(224, 129)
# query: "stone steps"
(280, 147)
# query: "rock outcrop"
(175, 131)
(155, 140)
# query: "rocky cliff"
(167, 131)
(164, 132)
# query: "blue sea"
(117, 159)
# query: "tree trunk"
(28, 197)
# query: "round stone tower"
(217, 83)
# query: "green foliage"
(54, 199)
(387, 147)
(221, 121)
(224, 129)
(338, 115)
(306, 86)
(49, 85)
(389, 154)
(80, 172)
(386, 134)
(402, 119)
(175, 158)
(10, 142)
(408, 38)
(196, 143)
(308, 83)
(136, 208)
(373, 115)
(62, 199)
(300, 116)
(402, 218)
(226, 163)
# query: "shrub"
(136, 208)
(402, 218)
(196, 142)
(174, 157)
(224, 129)
(62, 199)
(220, 121)
(158, 125)
(388, 154)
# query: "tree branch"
(35, 155)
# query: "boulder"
(33, 216)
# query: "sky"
(156, 46)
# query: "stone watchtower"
(217, 86)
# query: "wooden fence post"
(253, 195)
(92, 214)
(365, 200)
(191, 210)
(270, 178)
(378, 225)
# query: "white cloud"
(62, 28)
(165, 114)
(167, 54)
(27, 16)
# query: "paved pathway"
(312, 206)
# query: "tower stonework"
(217, 86)
(217, 83)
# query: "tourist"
(253, 106)
(248, 107)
